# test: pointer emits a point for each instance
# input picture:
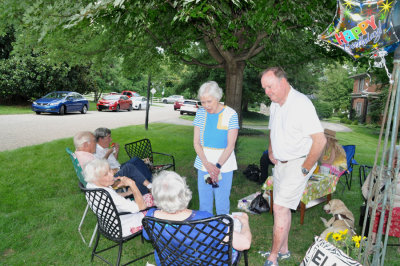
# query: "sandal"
(270, 263)
(281, 256)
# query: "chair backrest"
(141, 149)
(103, 206)
(197, 242)
(350, 151)
(77, 166)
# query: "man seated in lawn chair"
(85, 145)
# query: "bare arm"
(318, 145)
(242, 241)
(270, 153)
(127, 182)
(232, 136)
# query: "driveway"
(30, 129)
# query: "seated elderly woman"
(395, 223)
(172, 196)
(99, 175)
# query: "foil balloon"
(361, 27)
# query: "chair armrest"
(170, 155)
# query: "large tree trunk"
(234, 83)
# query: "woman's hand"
(213, 171)
(126, 182)
(244, 218)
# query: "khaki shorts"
(289, 183)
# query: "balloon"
(361, 27)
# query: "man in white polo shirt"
(296, 141)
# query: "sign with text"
(323, 253)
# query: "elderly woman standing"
(215, 132)
(99, 175)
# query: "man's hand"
(271, 157)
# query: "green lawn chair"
(79, 173)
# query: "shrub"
(324, 109)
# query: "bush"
(355, 122)
(324, 109)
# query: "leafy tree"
(227, 34)
(335, 86)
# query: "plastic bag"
(259, 205)
(253, 173)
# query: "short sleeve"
(234, 122)
(200, 116)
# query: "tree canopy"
(215, 34)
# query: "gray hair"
(211, 88)
(95, 169)
(82, 137)
(278, 72)
(170, 192)
(101, 132)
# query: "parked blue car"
(61, 102)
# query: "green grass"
(41, 204)
(12, 109)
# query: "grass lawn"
(41, 204)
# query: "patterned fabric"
(326, 184)
(394, 224)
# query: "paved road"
(30, 129)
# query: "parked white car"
(139, 102)
(172, 98)
(190, 107)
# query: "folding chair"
(142, 149)
(198, 242)
(110, 227)
(79, 174)
(350, 151)
(363, 172)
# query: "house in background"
(365, 91)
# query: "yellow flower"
(344, 232)
(357, 244)
(337, 236)
(328, 235)
(356, 239)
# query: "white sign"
(323, 253)
(153, 91)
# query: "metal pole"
(146, 124)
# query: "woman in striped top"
(216, 128)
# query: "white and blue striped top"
(214, 129)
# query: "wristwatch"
(304, 171)
(218, 165)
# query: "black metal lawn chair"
(197, 242)
(142, 149)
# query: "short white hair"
(170, 192)
(95, 169)
(82, 137)
(211, 88)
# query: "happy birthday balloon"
(361, 27)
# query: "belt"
(294, 159)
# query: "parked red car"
(178, 104)
(130, 93)
(114, 103)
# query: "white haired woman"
(172, 196)
(215, 132)
(99, 175)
